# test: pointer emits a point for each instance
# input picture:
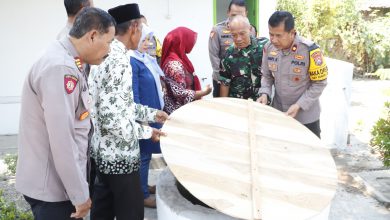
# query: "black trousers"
(315, 128)
(51, 210)
(117, 195)
(216, 87)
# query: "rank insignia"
(299, 57)
(273, 53)
(78, 63)
(84, 115)
(70, 83)
(294, 48)
(226, 31)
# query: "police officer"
(72, 7)
(240, 73)
(54, 122)
(297, 69)
(221, 39)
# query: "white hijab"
(150, 62)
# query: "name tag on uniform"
(273, 59)
(298, 63)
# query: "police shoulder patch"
(70, 82)
(317, 69)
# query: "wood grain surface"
(248, 160)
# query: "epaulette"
(221, 24)
(79, 63)
(313, 47)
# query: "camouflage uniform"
(219, 41)
(241, 69)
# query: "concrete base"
(376, 184)
(171, 205)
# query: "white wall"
(27, 27)
(165, 15)
(266, 8)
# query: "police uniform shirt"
(54, 127)
(219, 41)
(299, 76)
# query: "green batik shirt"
(241, 69)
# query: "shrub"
(10, 160)
(8, 211)
(342, 32)
(381, 135)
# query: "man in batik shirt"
(115, 147)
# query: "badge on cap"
(78, 63)
(70, 83)
(84, 115)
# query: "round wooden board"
(249, 160)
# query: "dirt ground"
(351, 200)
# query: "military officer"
(240, 73)
(297, 69)
(221, 39)
(54, 120)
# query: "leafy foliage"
(8, 211)
(381, 135)
(10, 160)
(343, 31)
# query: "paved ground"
(364, 184)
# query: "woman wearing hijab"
(147, 91)
(182, 85)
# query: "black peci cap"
(125, 13)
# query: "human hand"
(263, 99)
(293, 110)
(82, 209)
(156, 133)
(207, 90)
(161, 117)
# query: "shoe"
(150, 202)
(152, 189)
